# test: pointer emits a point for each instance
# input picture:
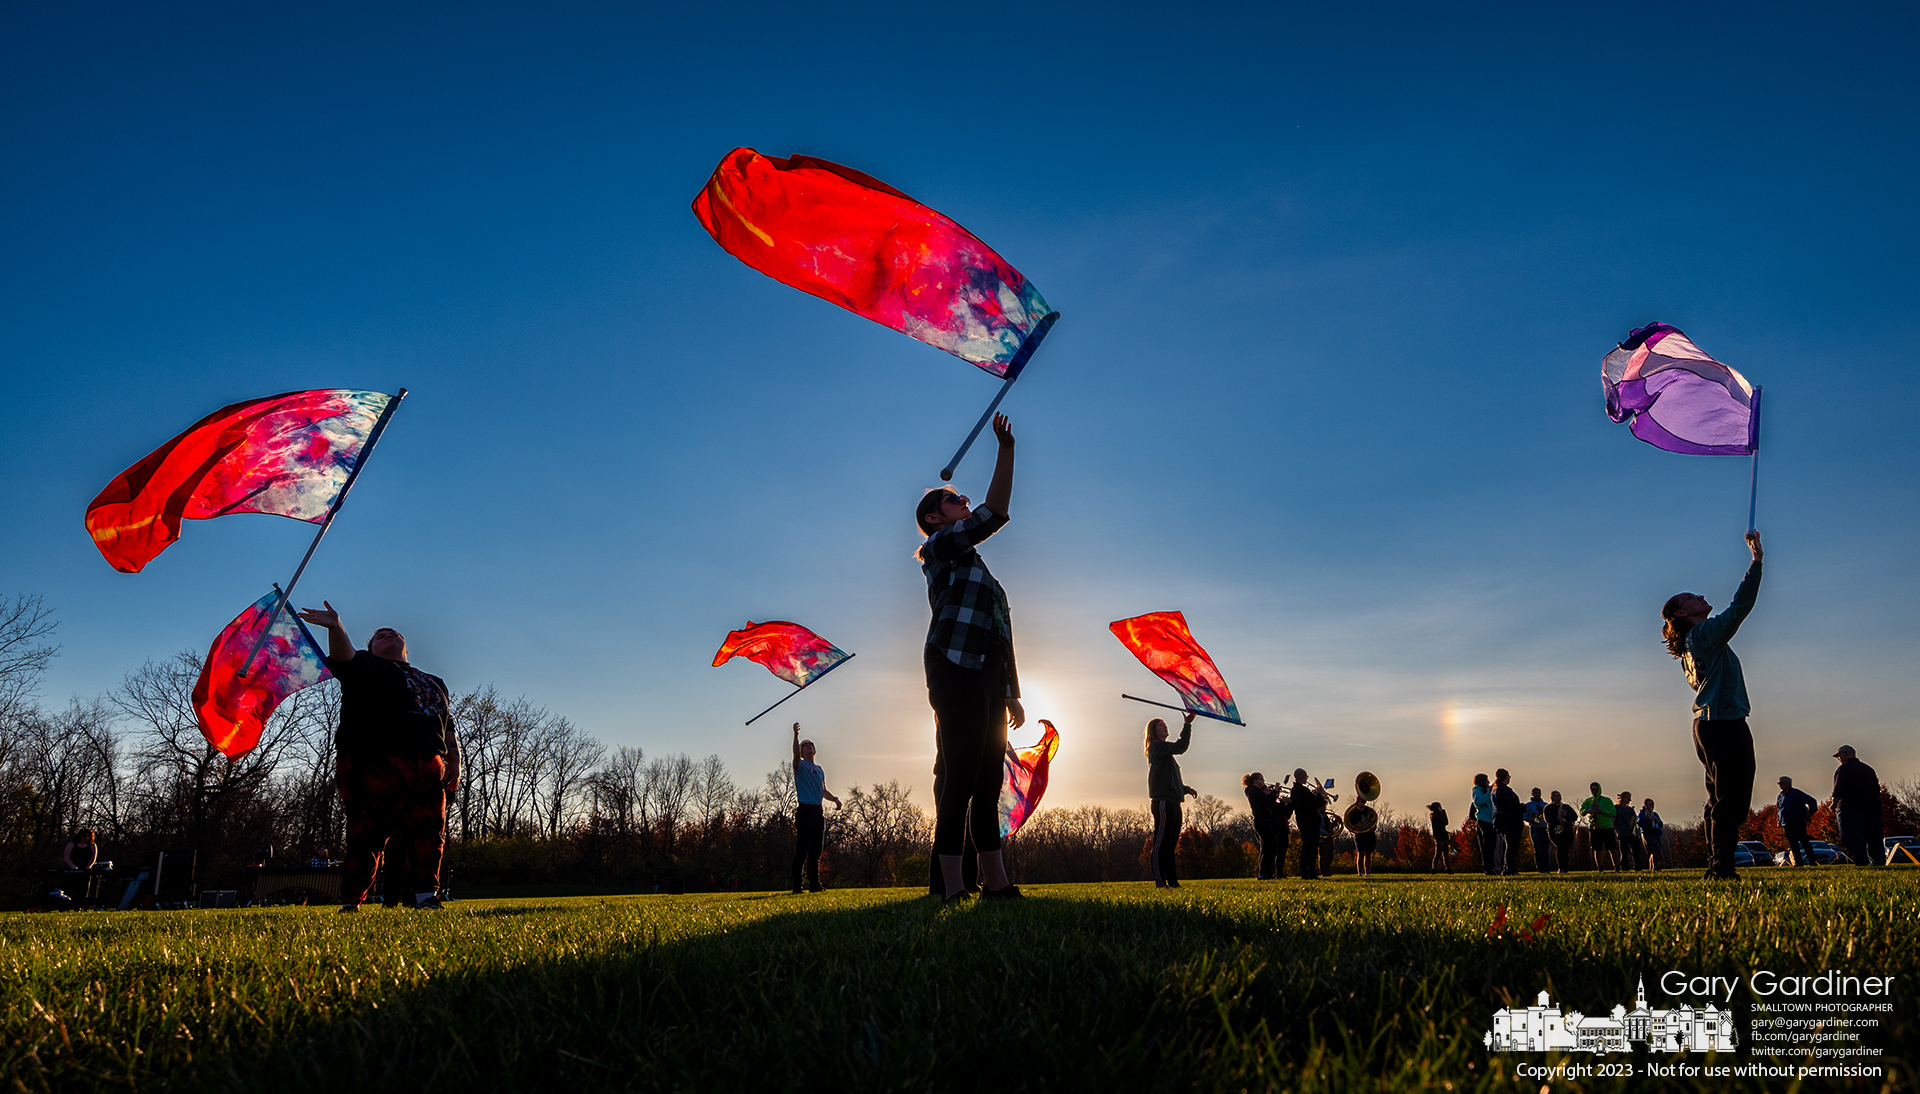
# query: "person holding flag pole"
(972, 682)
(1721, 737)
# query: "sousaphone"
(1361, 817)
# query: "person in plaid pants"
(391, 748)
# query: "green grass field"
(1084, 987)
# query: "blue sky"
(1335, 287)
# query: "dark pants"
(1542, 848)
(1309, 845)
(1489, 846)
(970, 738)
(1442, 852)
(1725, 749)
(809, 833)
(1798, 844)
(1563, 850)
(1166, 840)
(1653, 850)
(1510, 840)
(395, 798)
(1633, 855)
(1273, 847)
(1860, 831)
(970, 858)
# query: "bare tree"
(874, 830)
(781, 795)
(1208, 812)
(669, 784)
(713, 794)
(69, 764)
(616, 795)
(25, 624)
(565, 756)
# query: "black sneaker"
(1011, 892)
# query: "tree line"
(543, 802)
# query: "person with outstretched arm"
(1166, 792)
(972, 682)
(809, 818)
(1721, 737)
(390, 755)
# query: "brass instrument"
(1361, 817)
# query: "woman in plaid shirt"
(972, 683)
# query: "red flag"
(1163, 643)
(1025, 781)
(288, 455)
(851, 239)
(233, 709)
(788, 650)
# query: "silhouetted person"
(1601, 835)
(1633, 853)
(1795, 807)
(1165, 793)
(1536, 811)
(1652, 833)
(1442, 843)
(391, 755)
(1856, 797)
(1309, 812)
(1262, 802)
(1509, 818)
(1721, 737)
(973, 684)
(1562, 822)
(81, 852)
(809, 821)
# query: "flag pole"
(1014, 368)
(1186, 710)
(802, 687)
(1753, 478)
(373, 438)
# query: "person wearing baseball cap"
(1856, 797)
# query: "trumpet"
(1361, 817)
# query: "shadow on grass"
(1335, 988)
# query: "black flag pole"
(286, 596)
(1014, 368)
(802, 687)
(1186, 710)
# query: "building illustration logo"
(1544, 1028)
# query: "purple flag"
(1674, 396)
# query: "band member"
(1633, 853)
(1795, 807)
(1309, 813)
(1536, 813)
(1269, 823)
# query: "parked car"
(1751, 852)
(1824, 854)
(1903, 850)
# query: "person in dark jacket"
(1562, 822)
(391, 758)
(1269, 823)
(1309, 803)
(1795, 807)
(1442, 843)
(1509, 819)
(1856, 797)
(1166, 792)
(1651, 830)
(1536, 811)
(1721, 737)
(1633, 852)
